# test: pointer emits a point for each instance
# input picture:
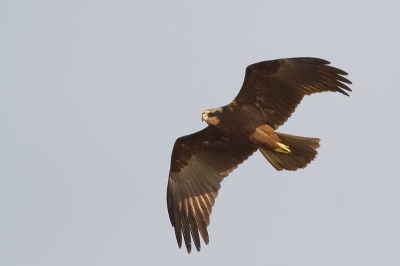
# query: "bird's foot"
(282, 148)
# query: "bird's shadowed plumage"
(269, 95)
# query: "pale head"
(210, 116)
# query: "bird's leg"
(282, 148)
(265, 137)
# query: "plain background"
(93, 95)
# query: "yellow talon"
(282, 148)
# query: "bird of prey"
(269, 95)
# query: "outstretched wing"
(199, 162)
(272, 89)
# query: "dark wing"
(272, 90)
(199, 162)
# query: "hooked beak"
(203, 117)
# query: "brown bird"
(269, 95)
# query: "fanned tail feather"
(303, 151)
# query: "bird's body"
(269, 95)
(233, 124)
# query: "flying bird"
(269, 95)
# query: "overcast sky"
(93, 95)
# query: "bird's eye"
(210, 114)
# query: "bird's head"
(212, 116)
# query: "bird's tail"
(302, 152)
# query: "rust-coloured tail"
(302, 152)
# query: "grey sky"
(93, 95)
